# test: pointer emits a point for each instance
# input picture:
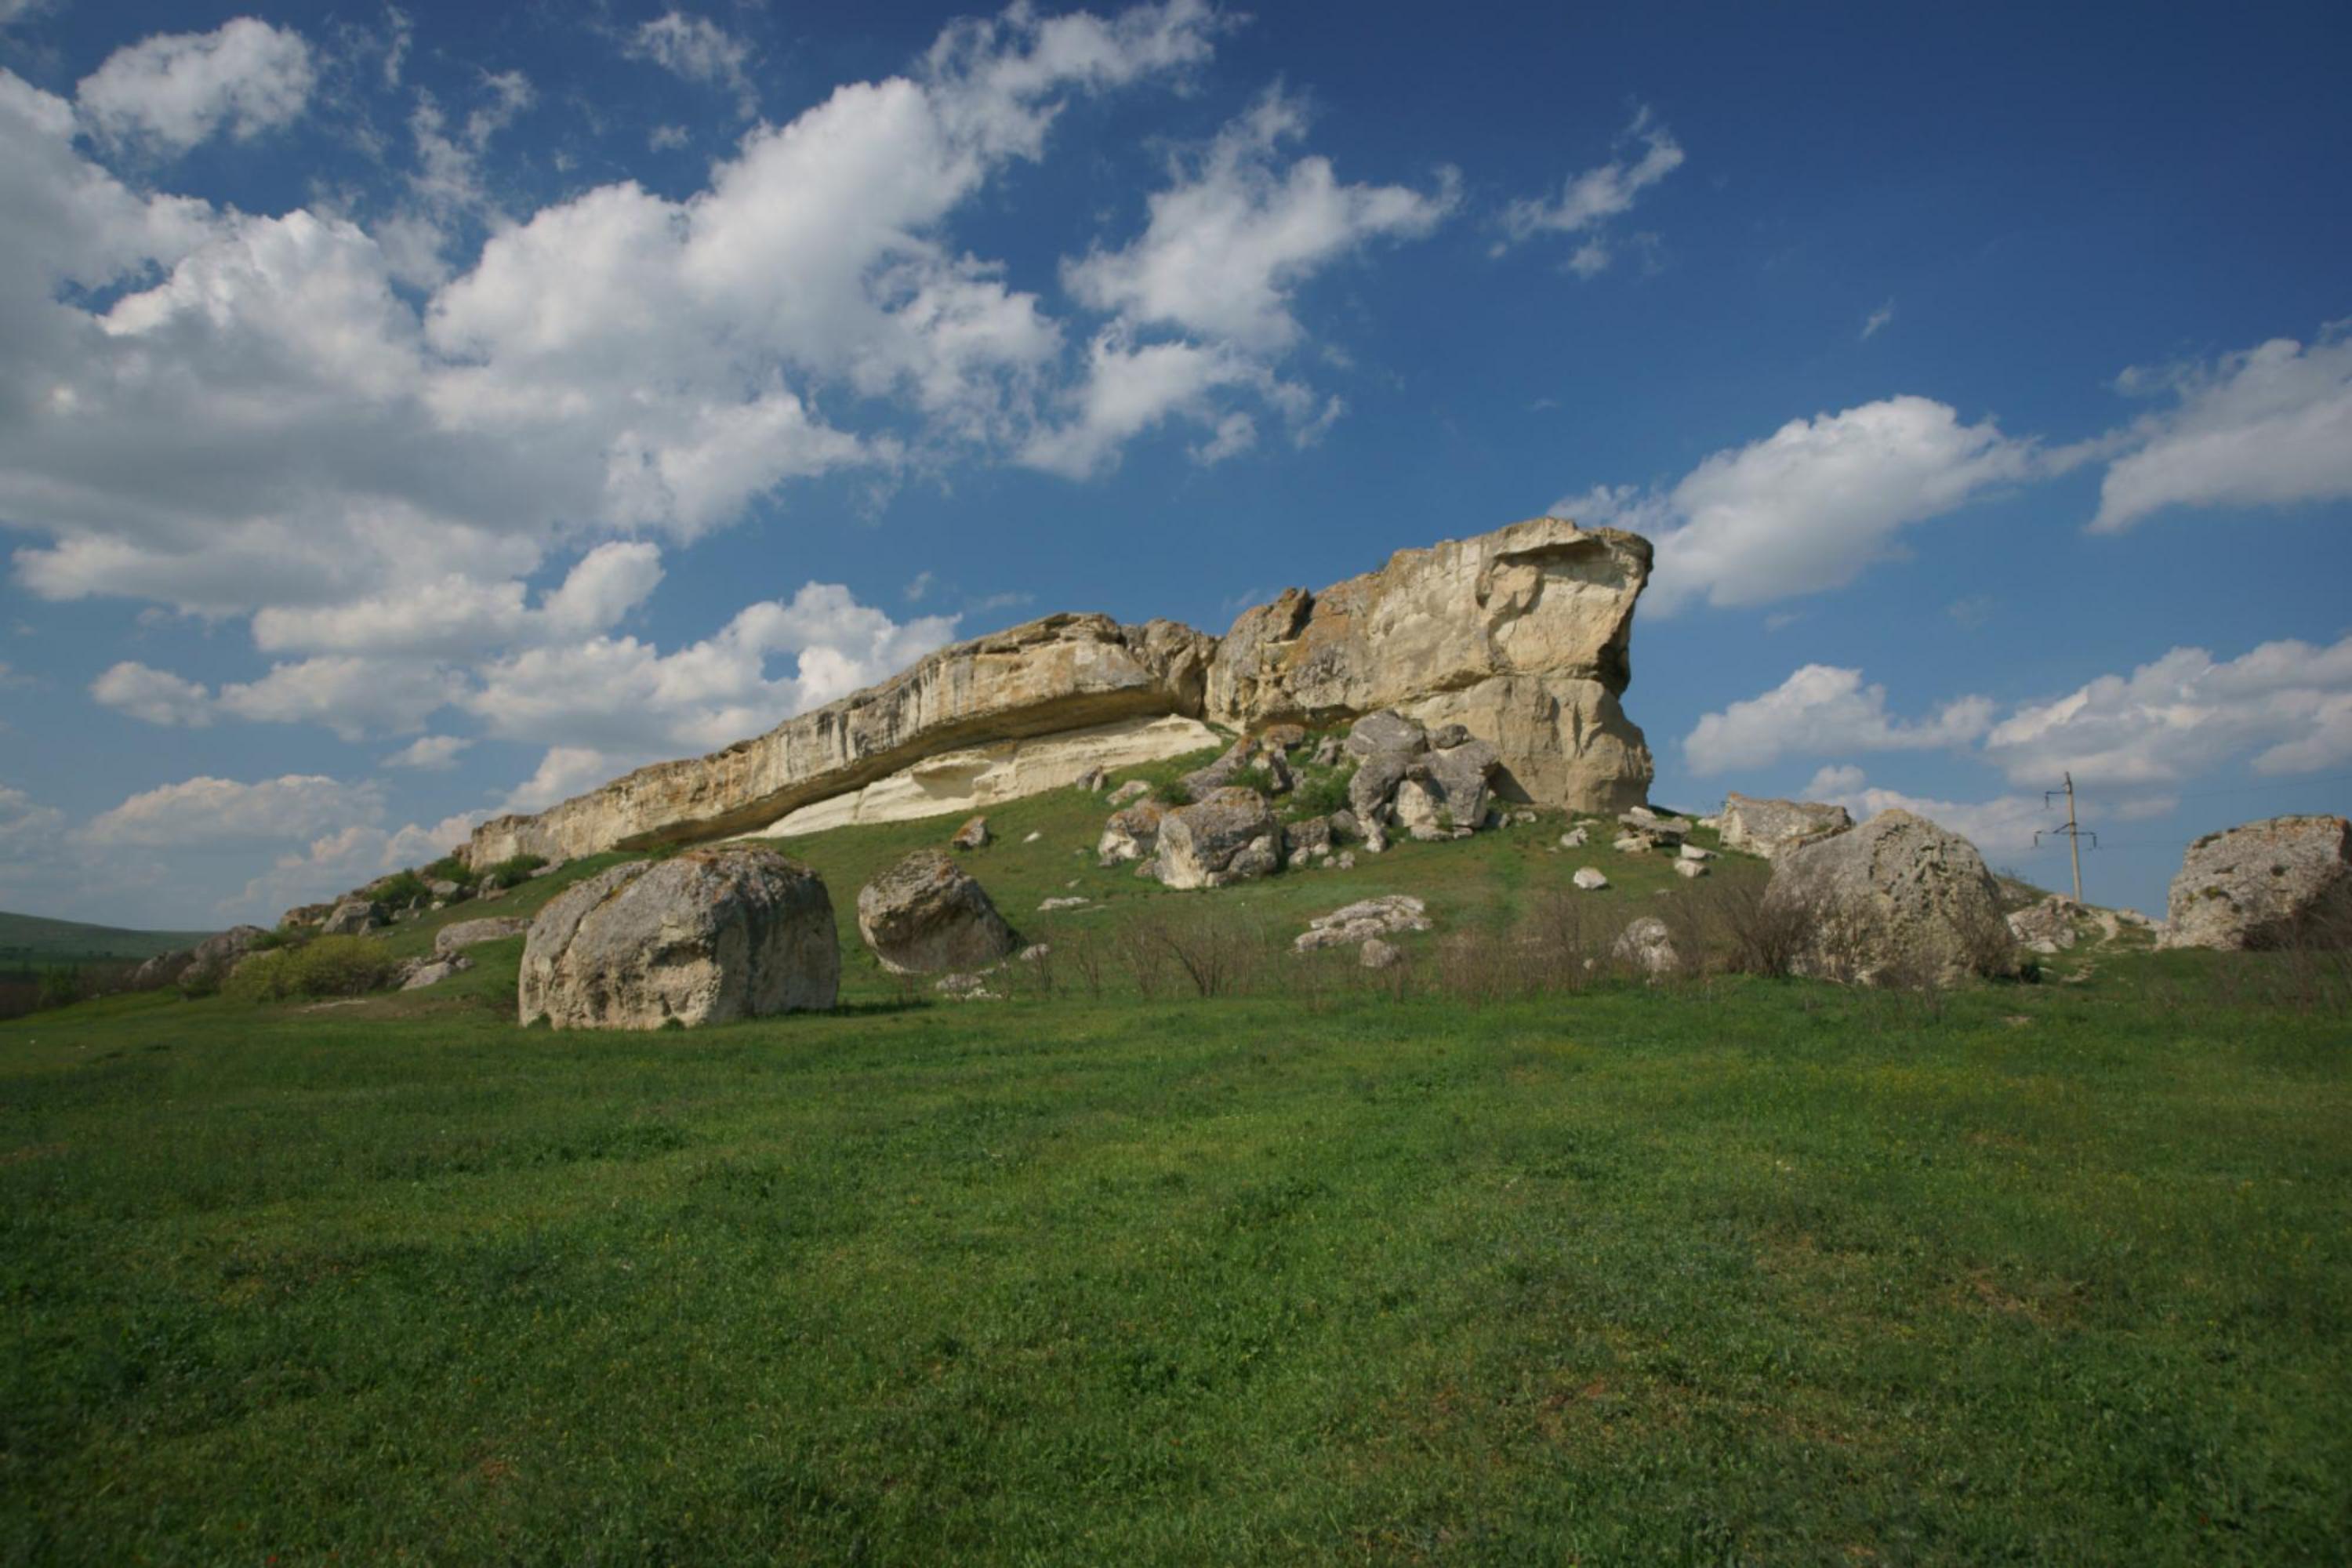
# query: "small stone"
(1378, 954)
(1690, 870)
(973, 835)
(1590, 880)
(1575, 838)
(1034, 836)
(1050, 905)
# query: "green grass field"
(35, 939)
(1332, 1269)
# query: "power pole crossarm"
(2075, 833)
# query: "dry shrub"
(1086, 954)
(1741, 931)
(1218, 955)
(1145, 955)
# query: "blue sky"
(407, 414)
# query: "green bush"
(331, 966)
(1171, 791)
(1321, 792)
(60, 987)
(448, 868)
(512, 871)
(399, 888)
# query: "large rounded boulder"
(729, 930)
(1229, 837)
(2284, 882)
(924, 915)
(1897, 899)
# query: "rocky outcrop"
(1520, 636)
(1060, 673)
(352, 918)
(2048, 927)
(1131, 834)
(1766, 827)
(1896, 900)
(728, 930)
(1363, 920)
(924, 915)
(1231, 836)
(2282, 882)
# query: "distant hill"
(34, 939)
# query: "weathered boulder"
(419, 973)
(1590, 878)
(973, 835)
(1312, 835)
(218, 953)
(1229, 837)
(459, 935)
(1131, 834)
(1367, 918)
(1128, 793)
(1897, 899)
(1457, 774)
(1766, 827)
(2281, 882)
(924, 915)
(352, 918)
(160, 971)
(1385, 731)
(726, 931)
(1647, 945)
(1690, 870)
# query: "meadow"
(1308, 1265)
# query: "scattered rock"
(1387, 730)
(973, 835)
(1327, 753)
(450, 893)
(1282, 737)
(1634, 843)
(1091, 781)
(1693, 852)
(1344, 861)
(1035, 953)
(303, 916)
(419, 973)
(1898, 897)
(1766, 827)
(1690, 870)
(1383, 915)
(726, 931)
(965, 988)
(352, 918)
(2047, 926)
(1576, 837)
(1647, 945)
(1131, 835)
(1445, 736)
(1378, 954)
(1050, 905)
(1417, 808)
(1034, 837)
(1590, 880)
(459, 935)
(1229, 837)
(1311, 837)
(924, 915)
(2276, 883)
(1128, 793)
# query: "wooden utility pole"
(2074, 833)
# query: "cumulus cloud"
(353, 697)
(2285, 707)
(1824, 709)
(1230, 238)
(175, 89)
(1588, 201)
(430, 752)
(1812, 506)
(698, 50)
(156, 696)
(2268, 426)
(228, 412)
(2004, 825)
(207, 810)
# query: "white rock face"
(2273, 883)
(726, 930)
(975, 778)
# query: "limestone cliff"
(1520, 634)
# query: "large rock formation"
(1520, 636)
(924, 915)
(1897, 899)
(1230, 837)
(726, 930)
(2276, 883)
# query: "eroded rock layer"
(1520, 636)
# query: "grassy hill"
(1488, 1259)
(35, 939)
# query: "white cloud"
(459, 614)
(2004, 825)
(1232, 237)
(1132, 388)
(1824, 709)
(344, 858)
(2268, 426)
(567, 770)
(156, 696)
(1877, 320)
(1812, 506)
(176, 89)
(26, 823)
(2285, 707)
(213, 810)
(1588, 201)
(666, 138)
(432, 752)
(700, 50)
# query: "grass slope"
(1712, 1272)
(35, 939)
